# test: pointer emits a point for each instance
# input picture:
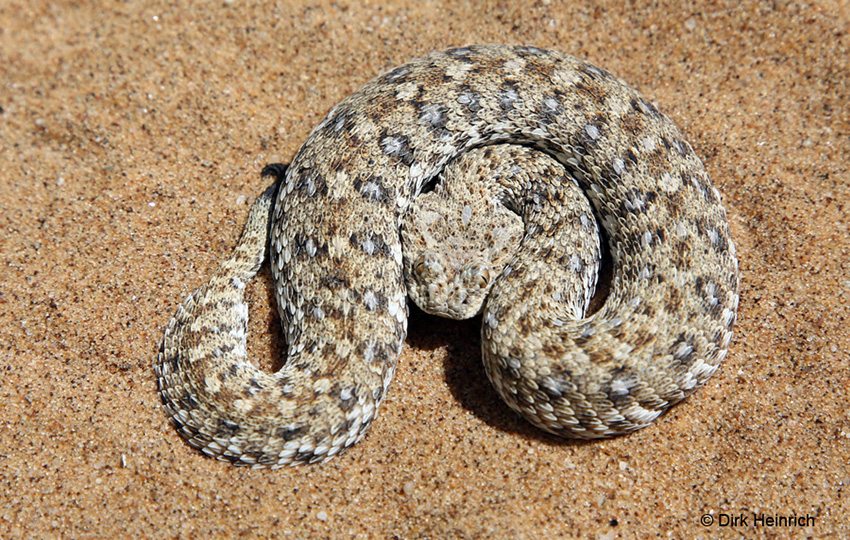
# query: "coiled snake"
(337, 258)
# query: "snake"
(350, 224)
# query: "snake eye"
(426, 265)
(481, 276)
(419, 265)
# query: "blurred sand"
(131, 140)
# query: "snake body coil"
(336, 258)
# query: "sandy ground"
(131, 139)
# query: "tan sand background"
(131, 139)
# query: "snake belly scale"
(332, 230)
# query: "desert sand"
(132, 135)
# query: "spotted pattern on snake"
(464, 236)
(336, 259)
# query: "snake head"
(443, 288)
(454, 249)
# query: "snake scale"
(332, 230)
